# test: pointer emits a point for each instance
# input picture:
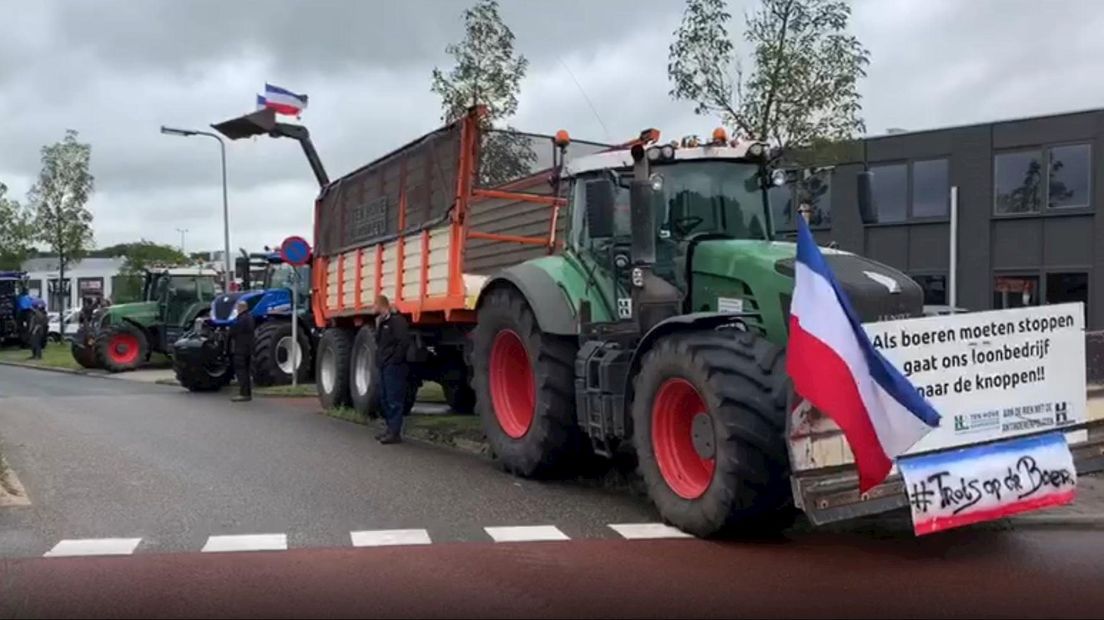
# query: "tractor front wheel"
(83, 349)
(332, 372)
(272, 354)
(524, 385)
(121, 347)
(708, 414)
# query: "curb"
(68, 371)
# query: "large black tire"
(332, 372)
(85, 355)
(364, 374)
(459, 396)
(271, 347)
(740, 379)
(528, 405)
(199, 377)
(121, 347)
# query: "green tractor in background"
(662, 327)
(122, 337)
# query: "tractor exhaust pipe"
(641, 211)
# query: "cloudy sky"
(117, 71)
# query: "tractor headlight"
(778, 177)
(657, 182)
(757, 150)
(668, 151)
(637, 277)
(654, 154)
(198, 325)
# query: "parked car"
(72, 323)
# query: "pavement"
(966, 573)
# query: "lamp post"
(170, 131)
(182, 231)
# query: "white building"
(91, 277)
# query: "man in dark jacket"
(392, 345)
(38, 324)
(241, 343)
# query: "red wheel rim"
(513, 394)
(673, 410)
(123, 348)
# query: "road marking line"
(525, 533)
(388, 538)
(642, 531)
(246, 542)
(93, 546)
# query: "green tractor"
(662, 327)
(122, 337)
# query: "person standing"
(392, 345)
(241, 340)
(39, 322)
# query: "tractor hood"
(140, 312)
(757, 276)
(261, 303)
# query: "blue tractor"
(16, 307)
(202, 357)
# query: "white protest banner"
(992, 375)
(987, 482)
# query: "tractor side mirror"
(599, 206)
(867, 210)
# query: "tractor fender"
(554, 312)
(696, 321)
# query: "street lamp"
(187, 133)
(182, 231)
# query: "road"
(161, 476)
(104, 458)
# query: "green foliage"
(145, 254)
(15, 233)
(488, 72)
(58, 199)
(803, 85)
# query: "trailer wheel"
(121, 347)
(524, 383)
(364, 381)
(84, 354)
(708, 416)
(333, 368)
(272, 361)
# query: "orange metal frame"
(449, 307)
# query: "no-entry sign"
(295, 251)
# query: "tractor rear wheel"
(332, 372)
(84, 353)
(524, 384)
(272, 360)
(121, 347)
(708, 414)
(364, 381)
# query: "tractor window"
(712, 197)
(622, 223)
(206, 288)
(184, 288)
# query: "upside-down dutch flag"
(282, 100)
(835, 367)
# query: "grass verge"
(58, 355)
(462, 432)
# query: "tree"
(488, 73)
(15, 233)
(58, 200)
(145, 254)
(803, 86)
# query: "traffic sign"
(295, 251)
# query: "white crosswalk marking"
(641, 531)
(388, 538)
(93, 546)
(525, 533)
(246, 542)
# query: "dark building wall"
(1046, 247)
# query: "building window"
(90, 288)
(34, 287)
(814, 190)
(891, 192)
(1068, 184)
(1068, 287)
(935, 289)
(1015, 291)
(931, 188)
(1018, 180)
(58, 291)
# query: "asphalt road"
(105, 458)
(1047, 574)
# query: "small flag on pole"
(282, 100)
(835, 367)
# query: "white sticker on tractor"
(730, 304)
(624, 307)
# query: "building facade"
(91, 277)
(1030, 209)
